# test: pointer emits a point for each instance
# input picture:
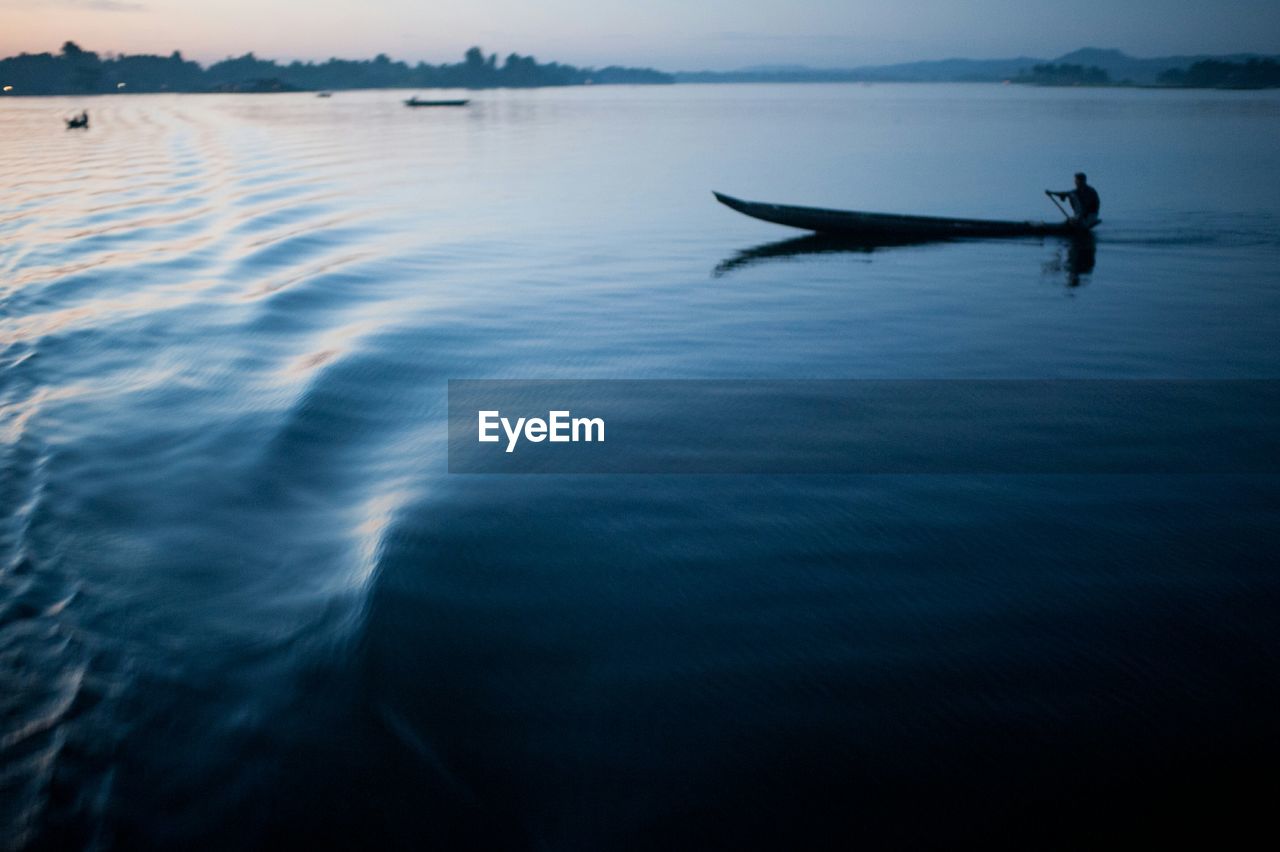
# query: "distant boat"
(416, 102)
(80, 121)
(324, 94)
(892, 227)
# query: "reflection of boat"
(417, 102)
(884, 228)
(798, 247)
(1078, 255)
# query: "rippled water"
(241, 601)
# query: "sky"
(672, 35)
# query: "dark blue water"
(242, 602)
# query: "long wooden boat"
(892, 227)
(416, 102)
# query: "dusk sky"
(666, 34)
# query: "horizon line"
(799, 64)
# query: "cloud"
(95, 5)
(109, 5)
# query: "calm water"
(241, 601)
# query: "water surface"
(242, 601)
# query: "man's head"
(1081, 180)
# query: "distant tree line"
(1217, 74)
(78, 71)
(1064, 75)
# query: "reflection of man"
(1085, 202)
(1076, 257)
(1082, 257)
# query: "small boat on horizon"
(324, 94)
(418, 102)
(894, 227)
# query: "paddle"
(1056, 204)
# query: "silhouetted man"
(1085, 202)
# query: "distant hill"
(1215, 74)
(931, 71)
(76, 71)
(1065, 74)
(1122, 67)
(1119, 68)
